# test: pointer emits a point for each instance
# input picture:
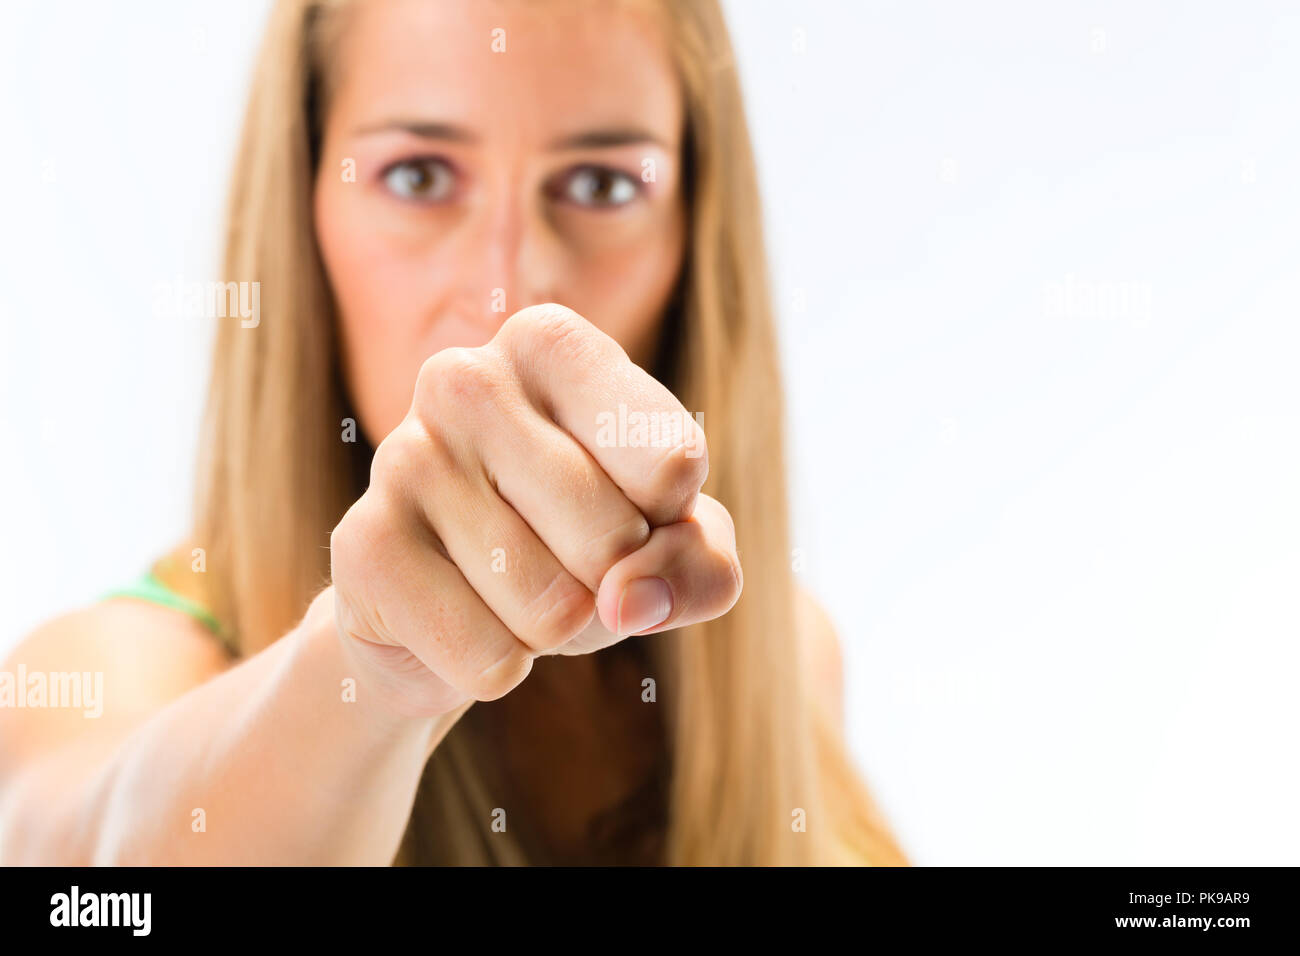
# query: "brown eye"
(420, 179)
(598, 186)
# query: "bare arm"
(613, 539)
(194, 761)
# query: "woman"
(409, 503)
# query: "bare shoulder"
(821, 645)
(99, 669)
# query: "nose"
(510, 257)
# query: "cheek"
(382, 296)
(626, 287)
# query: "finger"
(595, 637)
(631, 424)
(508, 566)
(556, 486)
(536, 468)
(415, 597)
(687, 572)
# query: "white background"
(1061, 541)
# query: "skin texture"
(498, 457)
(485, 435)
(503, 206)
(523, 187)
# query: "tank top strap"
(147, 587)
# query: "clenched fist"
(505, 520)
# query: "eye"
(597, 186)
(423, 180)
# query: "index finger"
(633, 426)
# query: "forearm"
(268, 763)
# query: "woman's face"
(505, 154)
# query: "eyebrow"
(597, 138)
(586, 139)
(425, 130)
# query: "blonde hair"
(750, 748)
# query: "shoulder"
(117, 661)
(823, 659)
(158, 642)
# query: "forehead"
(565, 63)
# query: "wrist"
(341, 671)
(324, 656)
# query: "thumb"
(685, 573)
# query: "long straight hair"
(759, 772)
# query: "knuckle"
(677, 477)
(559, 613)
(612, 546)
(394, 456)
(499, 677)
(730, 524)
(553, 327)
(733, 577)
(412, 453)
(452, 380)
(540, 319)
(359, 540)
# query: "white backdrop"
(1037, 273)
